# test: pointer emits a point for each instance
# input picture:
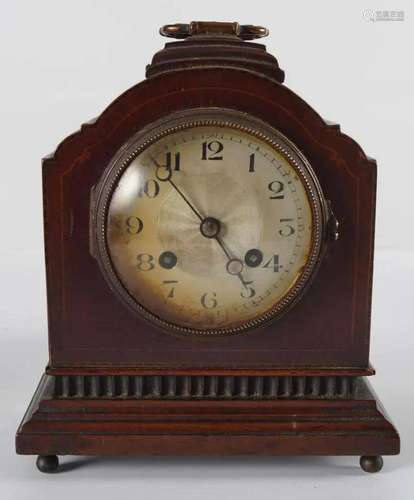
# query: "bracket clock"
(209, 246)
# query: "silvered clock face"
(212, 224)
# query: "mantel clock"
(209, 245)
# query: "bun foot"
(47, 463)
(372, 463)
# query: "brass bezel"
(194, 117)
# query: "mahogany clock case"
(89, 326)
(116, 384)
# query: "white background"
(62, 63)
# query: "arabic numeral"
(134, 225)
(251, 162)
(169, 163)
(273, 263)
(211, 150)
(276, 188)
(145, 262)
(287, 229)
(164, 172)
(248, 291)
(209, 301)
(151, 188)
(171, 284)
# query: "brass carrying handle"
(244, 31)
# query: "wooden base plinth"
(85, 426)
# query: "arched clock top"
(236, 88)
(185, 67)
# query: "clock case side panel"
(88, 327)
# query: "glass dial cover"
(209, 222)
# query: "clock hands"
(209, 226)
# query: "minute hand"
(174, 185)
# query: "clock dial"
(212, 227)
